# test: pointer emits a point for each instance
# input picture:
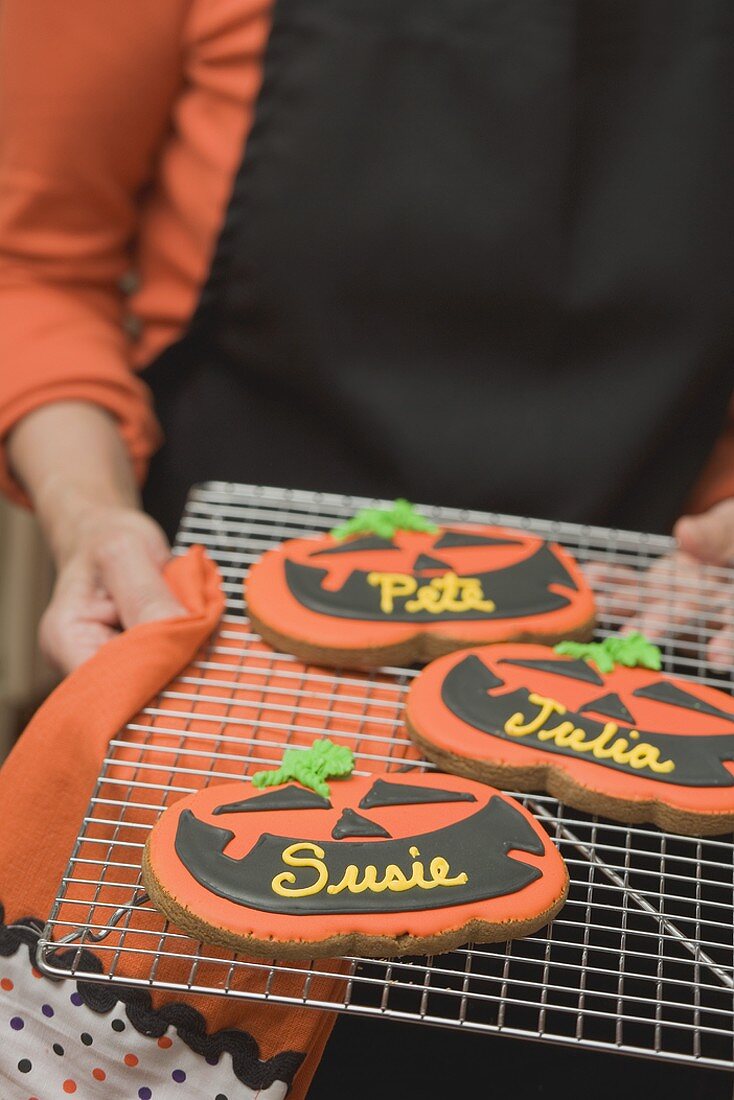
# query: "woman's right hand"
(109, 578)
(109, 555)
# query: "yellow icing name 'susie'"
(445, 593)
(605, 746)
(357, 880)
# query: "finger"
(104, 610)
(668, 616)
(78, 590)
(612, 585)
(616, 570)
(75, 623)
(68, 647)
(602, 575)
(661, 610)
(721, 650)
(157, 543)
(709, 537)
(654, 623)
(135, 582)
(665, 592)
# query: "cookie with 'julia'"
(389, 587)
(599, 726)
(387, 865)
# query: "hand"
(710, 536)
(109, 555)
(109, 578)
(688, 595)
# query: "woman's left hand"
(687, 595)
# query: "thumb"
(135, 583)
(710, 536)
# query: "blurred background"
(25, 588)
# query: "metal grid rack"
(641, 958)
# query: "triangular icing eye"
(665, 692)
(611, 706)
(382, 793)
(287, 798)
(450, 540)
(353, 824)
(472, 675)
(424, 561)
(575, 670)
(369, 542)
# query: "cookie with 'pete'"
(390, 587)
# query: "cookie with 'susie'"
(598, 726)
(389, 587)
(388, 865)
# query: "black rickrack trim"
(189, 1023)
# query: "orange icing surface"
(433, 721)
(408, 822)
(271, 601)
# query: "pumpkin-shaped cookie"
(408, 595)
(627, 742)
(388, 865)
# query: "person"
(463, 252)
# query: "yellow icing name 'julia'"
(605, 746)
(393, 878)
(445, 593)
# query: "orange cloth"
(47, 780)
(45, 787)
(121, 126)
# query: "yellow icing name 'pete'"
(445, 593)
(606, 746)
(393, 878)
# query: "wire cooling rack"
(641, 958)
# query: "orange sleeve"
(85, 98)
(716, 482)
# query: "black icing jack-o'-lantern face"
(402, 847)
(420, 577)
(633, 721)
(385, 865)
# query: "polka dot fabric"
(53, 1046)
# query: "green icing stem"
(631, 650)
(384, 522)
(310, 767)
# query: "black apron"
(479, 253)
